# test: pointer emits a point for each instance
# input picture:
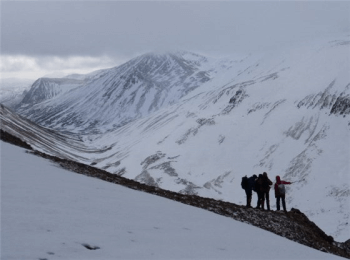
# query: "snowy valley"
(12, 91)
(195, 125)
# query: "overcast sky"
(42, 37)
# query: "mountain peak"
(286, 113)
(176, 56)
(121, 94)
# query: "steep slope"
(92, 219)
(45, 89)
(68, 145)
(286, 113)
(119, 95)
(12, 91)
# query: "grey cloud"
(17, 63)
(125, 28)
(38, 66)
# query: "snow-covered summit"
(47, 88)
(116, 96)
(284, 112)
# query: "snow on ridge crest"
(287, 114)
(116, 96)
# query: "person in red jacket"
(278, 194)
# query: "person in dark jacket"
(265, 190)
(258, 191)
(280, 196)
(249, 189)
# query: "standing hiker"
(265, 190)
(247, 185)
(258, 191)
(280, 193)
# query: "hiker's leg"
(262, 200)
(247, 196)
(267, 200)
(284, 203)
(259, 200)
(278, 202)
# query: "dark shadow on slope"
(6, 137)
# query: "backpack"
(244, 182)
(282, 189)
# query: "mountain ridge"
(294, 225)
(286, 113)
(126, 89)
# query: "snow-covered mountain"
(285, 112)
(87, 77)
(45, 89)
(12, 90)
(114, 97)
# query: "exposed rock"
(272, 76)
(190, 189)
(323, 100)
(6, 137)
(166, 167)
(217, 182)
(293, 225)
(347, 243)
(235, 100)
(221, 139)
(341, 106)
(194, 130)
(205, 121)
(275, 105)
(305, 125)
(152, 159)
(258, 106)
(146, 178)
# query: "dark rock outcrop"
(6, 137)
(293, 225)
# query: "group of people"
(261, 185)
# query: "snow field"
(50, 213)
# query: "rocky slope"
(293, 225)
(67, 145)
(285, 112)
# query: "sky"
(53, 37)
